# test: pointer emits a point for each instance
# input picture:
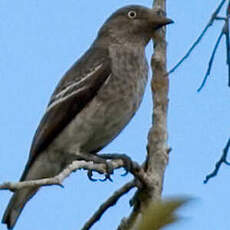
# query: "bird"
(94, 101)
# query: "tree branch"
(57, 180)
(227, 36)
(109, 203)
(187, 54)
(141, 180)
(157, 155)
(223, 160)
(211, 61)
(225, 31)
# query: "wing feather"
(69, 98)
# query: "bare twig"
(212, 19)
(141, 180)
(109, 203)
(57, 180)
(227, 36)
(223, 160)
(211, 61)
(225, 31)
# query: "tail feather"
(16, 205)
(41, 168)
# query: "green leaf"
(161, 213)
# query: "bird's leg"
(129, 165)
(99, 160)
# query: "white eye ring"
(132, 14)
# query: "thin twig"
(212, 19)
(223, 160)
(227, 36)
(109, 203)
(225, 31)
(57, 180)
(211, 61)
(220, 18)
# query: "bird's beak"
(162, 21)
(158, 21)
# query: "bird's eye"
(132, 14)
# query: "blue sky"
(39, 41)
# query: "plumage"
(94, 100)
(66, 102)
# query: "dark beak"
(157, 20)
(162, 21)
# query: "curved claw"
(107, 177)
(109, 171)
(125, 173)
(90, 175)
(129, 165)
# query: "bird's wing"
(71, 95)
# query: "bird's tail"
(16, 206)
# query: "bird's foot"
(98, 160)
(129, 165)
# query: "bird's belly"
(102, 119)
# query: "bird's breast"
(113, 106)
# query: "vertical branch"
(157, 137)
(157, 149)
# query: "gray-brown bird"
(94, 100)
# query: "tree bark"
(157, 148)
(157, 138)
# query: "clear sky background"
(40, 40)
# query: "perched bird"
(94, 100)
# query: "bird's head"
(132, 24)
